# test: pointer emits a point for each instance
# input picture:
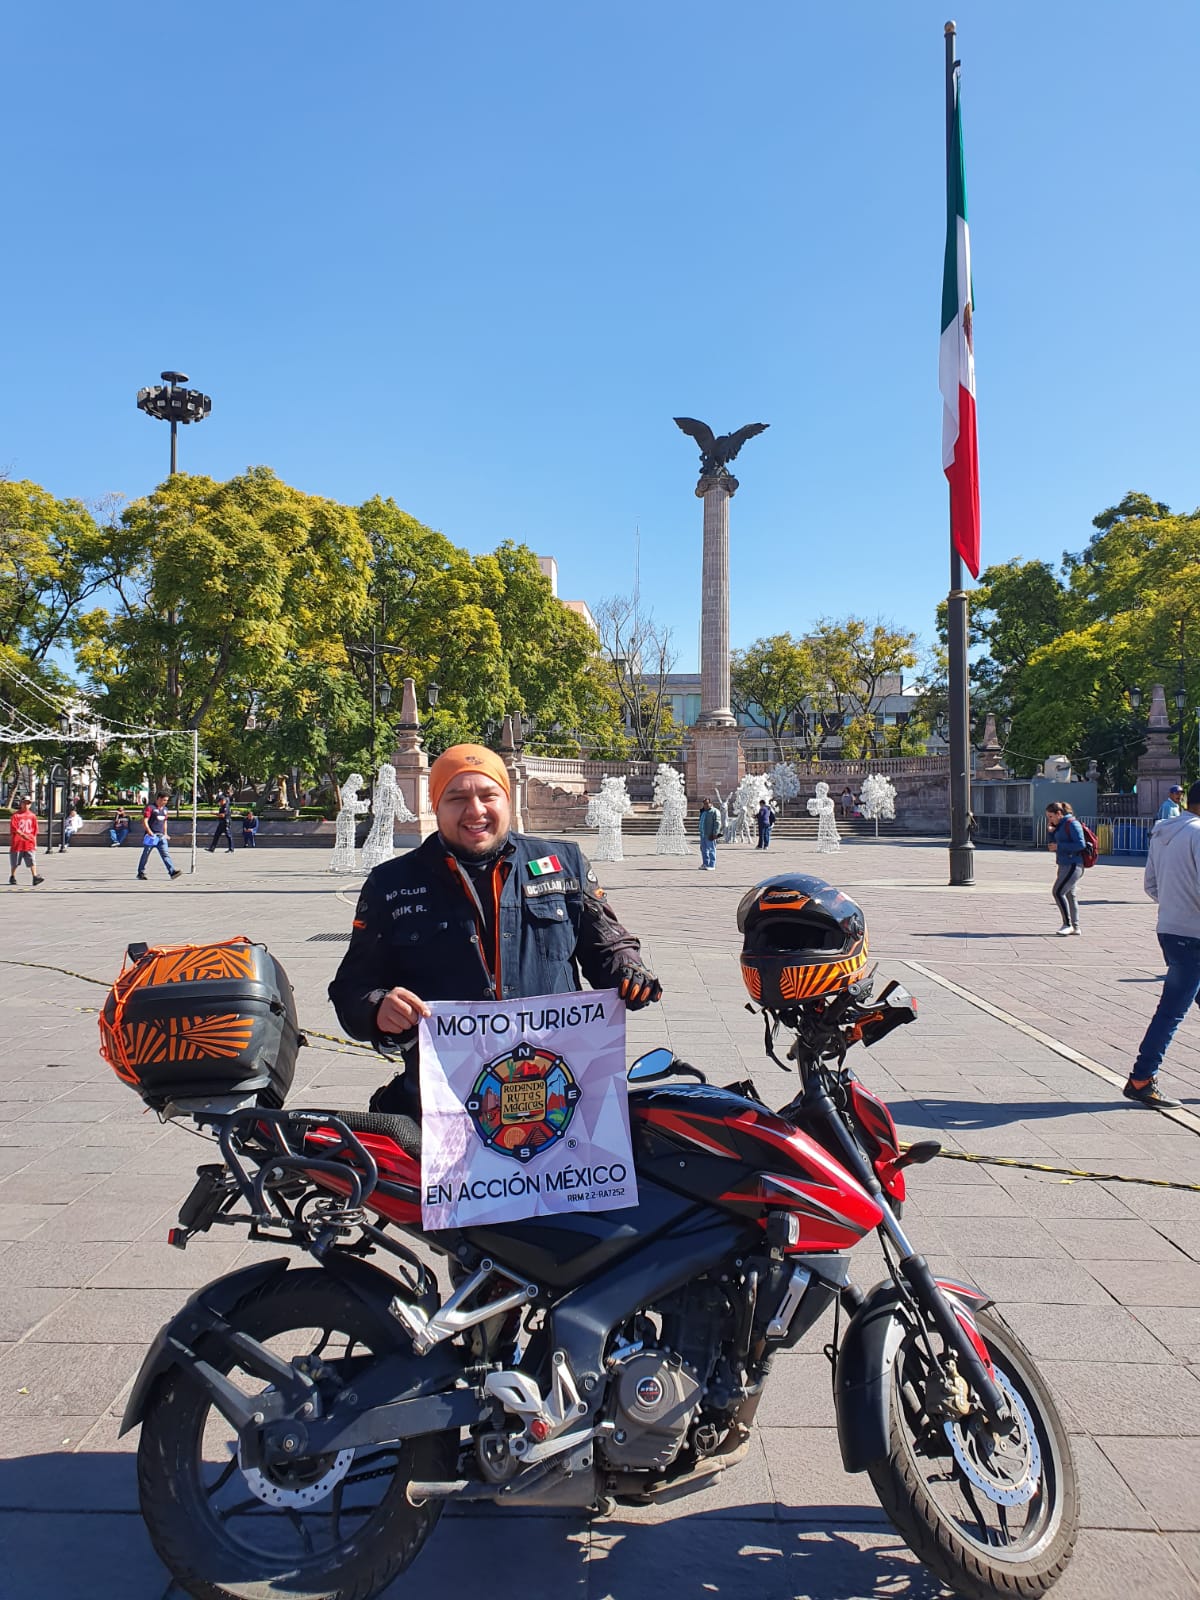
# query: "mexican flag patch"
(547, 864)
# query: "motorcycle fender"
(204, 1313)
(863, 1379)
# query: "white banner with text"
(525, 1109)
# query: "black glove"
(637, 987)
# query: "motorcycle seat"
(401, 1131)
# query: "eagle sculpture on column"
(716, 453)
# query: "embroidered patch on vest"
(546, 865)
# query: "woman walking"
(1064, 836)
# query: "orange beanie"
(465, 758)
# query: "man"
(22, 842)
(1172, 805)
(224, 811)
(155, 817)
(1173, 880)
(710, 832)
(766, 821)
(476, 912)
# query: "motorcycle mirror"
(653, 1065)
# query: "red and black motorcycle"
(302, 1428)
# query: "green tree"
(769, 683)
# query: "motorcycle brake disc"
(1013, 1473)
(305, 1494)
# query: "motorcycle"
(302, 1429)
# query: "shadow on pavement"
(72, 1503)
(956, 1115)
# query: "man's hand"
(638, 988)
(400, 1010)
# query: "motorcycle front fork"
(817, 1101)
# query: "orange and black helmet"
(801, 939)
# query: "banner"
(525, 1109)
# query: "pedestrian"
(72, 823)
(22, 843)
(710, 832)
(476, 912)
(119, 831)
(156, 837)
(1172, 805)
(1172, 879)
(766, 821)
(1064, 835)
(224, 812)
(249, 829)
(847, 801)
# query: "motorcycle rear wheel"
(227, 1535)
(998, 1527)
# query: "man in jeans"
(1173, 880)
(710, 830)
(156, 837)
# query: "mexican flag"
(956, 361)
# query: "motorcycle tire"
(922, 1470)
(210, 1560)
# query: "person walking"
(476, 912)
(249, 829)
(22, 843)
(119, 831)
(224, 812)
(1172, 879)
(1172, 805)
(1064, 836)
(710, 832)
(766, 821)
(156, 838)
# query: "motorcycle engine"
(654, 1397)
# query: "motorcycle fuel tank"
(734, 1154)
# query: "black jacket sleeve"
(604, 946)
(362, 979)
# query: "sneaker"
(37, 880)
(1148, 1095)
(12, 883)
(178, 873)
(141, 877)
(1065, 931)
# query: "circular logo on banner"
(523, 1101)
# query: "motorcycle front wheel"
(336, 1527)
(991, 1517)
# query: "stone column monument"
(714, 751)
(1158, 765)
(412, 771)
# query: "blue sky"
(476, 257)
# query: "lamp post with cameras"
(172, 401)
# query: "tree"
(639, 655)
(769, 683)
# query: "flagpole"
(962, 850)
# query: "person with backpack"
(710, 832)
(1066, 838)
(1172, 880)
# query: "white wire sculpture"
(671, 795)
(822, 807)
(878, 799)
(605, 810)
(785, 785)
(746, 799)
(347, 823)
(725, 812)
(389, 808)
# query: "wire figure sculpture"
(343, 859)
(389, 808)
(823, 808)
(747, 797)
(670, 794)
(605, 810)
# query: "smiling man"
(476, 912)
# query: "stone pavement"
(1101, 1279)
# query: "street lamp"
(171, 402)
(431, 695)
(66, 728)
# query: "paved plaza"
(1015, 1052)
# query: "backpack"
(1091, 847)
